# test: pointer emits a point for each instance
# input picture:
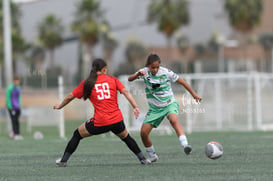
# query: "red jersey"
(104, 99)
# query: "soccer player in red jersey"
(101, 89)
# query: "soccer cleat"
(187, 149)
(145, 162)
(60, 163)
(18, 137)
(153, 158)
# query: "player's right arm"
(8, 95)
(136, 75)
(66, 100)
(76, 93)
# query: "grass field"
(247, 157)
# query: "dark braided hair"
(89, 83)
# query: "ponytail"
(89, 83)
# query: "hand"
(136, 112)
(57, 106)
(197, 98)
(141, 73)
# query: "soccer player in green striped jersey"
(161, 102)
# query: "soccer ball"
(38, 135)
(214, 150)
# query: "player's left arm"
(132, 101)
(20, 99)
(188, 87)
(66, 100)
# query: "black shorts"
(95, 130)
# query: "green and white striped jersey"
(158, 87)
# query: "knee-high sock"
(132, 145)
(71, 145)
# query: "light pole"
(7, 42)
(7, 37)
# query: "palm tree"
(87, 26)
(213, 43)
(50, 34)
(200, 50)
(37, 56)
(182, 43)
(19, 47)
(135, 52)
(244, 15)
(266, 40)
(169, 15)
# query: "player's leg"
(173, 118)
(14, 116)
(18, 136)
(13, 120)
(120, 130)
(153, 119)
(145, 131)
(72, 145)
(16, 122)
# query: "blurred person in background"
(101, 89)
(161, 102)
(13, 101)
